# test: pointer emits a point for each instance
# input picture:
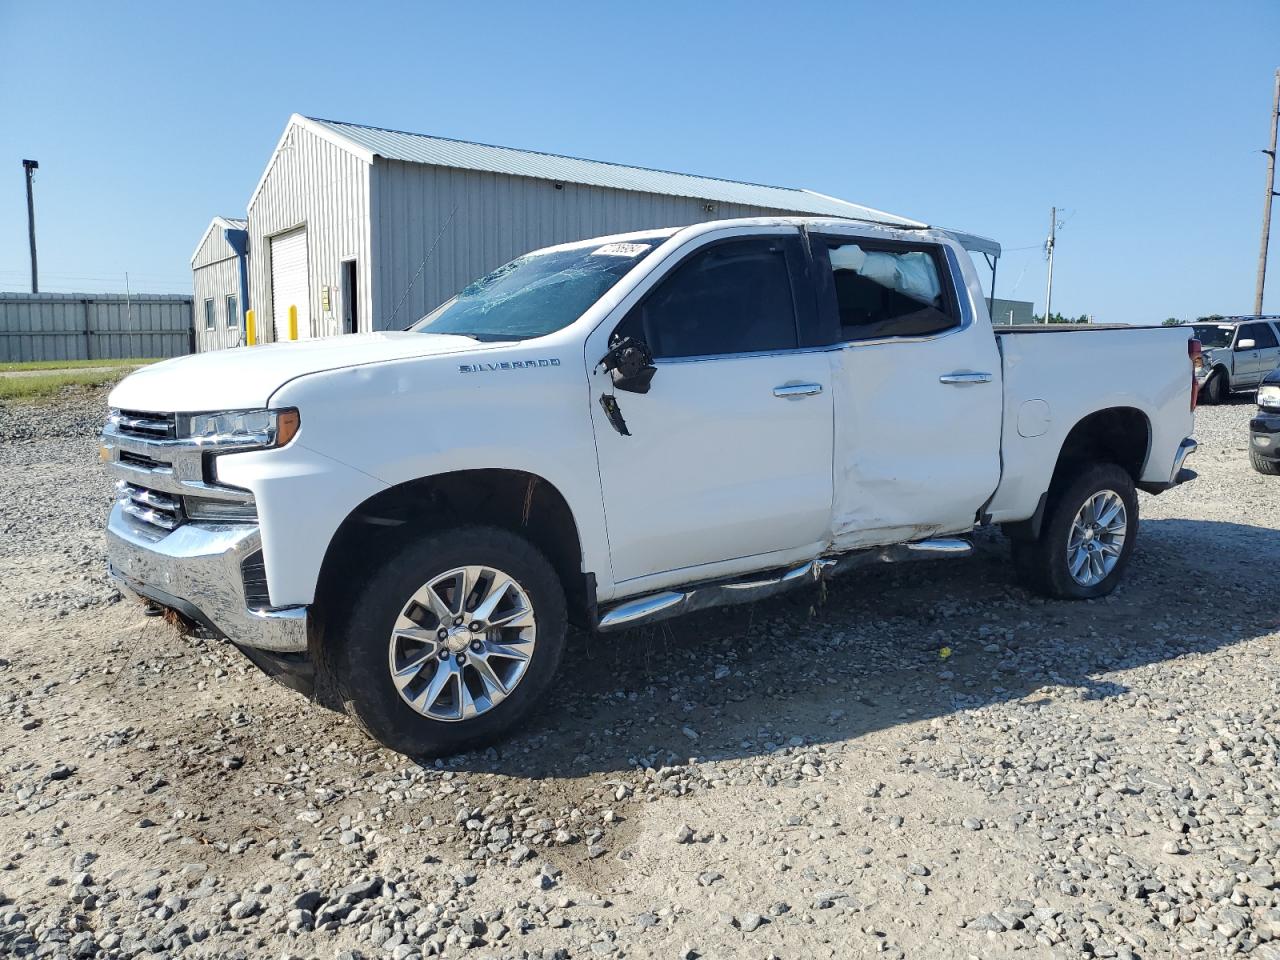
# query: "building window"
(233, 315)
(209, 320)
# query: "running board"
(723, 593)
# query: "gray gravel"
(926, 762)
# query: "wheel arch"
(1118, 434)
(524, 503)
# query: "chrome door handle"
(965, 378)
(792, 391)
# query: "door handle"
(963, 378)
(793, 391)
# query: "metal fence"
(94, 326)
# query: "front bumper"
(1264, 434)
(196, 570)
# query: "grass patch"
(51, 384)
(75, 364)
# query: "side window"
(233, 315)
(733, 297)
(1265, 336)
(209, 320)
(883, 291)
(1250, 331)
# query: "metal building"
(216, 278)
(359, 228)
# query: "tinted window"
(537, 294)
(208, 314)
(887, 292)
(733, 297)
(233, 315)
(1264, 337)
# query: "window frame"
(944, 263)
(233, 312)
(210, 313)
(799, 273)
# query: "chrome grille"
(144, 426)
(149, 506)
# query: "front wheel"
(1087, 536)
(455, 639)
(1215, 388)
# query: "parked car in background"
(1237, 353)
(616, 431)
(1264, 428)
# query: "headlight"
(241, 429)
(1269, 395)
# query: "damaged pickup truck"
(617, 431)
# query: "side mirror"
(1245, 344)
(630, 364)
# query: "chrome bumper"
(195, 569)
(1185, 449)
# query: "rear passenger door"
(917, 390)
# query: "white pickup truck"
(616, 431)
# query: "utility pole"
(1048, 247)
(30, 166)
(1266, 201)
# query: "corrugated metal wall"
(319, 185)
(215, 275)
(498, 217)
(77, 326)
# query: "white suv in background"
(1238, 353)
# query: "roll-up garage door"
(289, 284)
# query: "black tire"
(357, 651)
(1214, 390)
(1042, 563)
(1270, 467)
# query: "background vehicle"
(1237, 353)
(1264, 428)
(620, 430)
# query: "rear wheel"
(455, 639)
(1087, 537)
(1270, 467)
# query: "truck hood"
(245, 377)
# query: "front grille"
(254, 573)
(145, 426)
(151, 507)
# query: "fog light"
(1262, 441)
(206, 508)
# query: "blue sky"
(1142, 122)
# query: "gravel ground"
(926, 762)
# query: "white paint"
(719, 476)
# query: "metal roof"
(442, 152)
(226, 223)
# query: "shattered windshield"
(1213, 335)
(538, 293)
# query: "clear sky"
(1142, 122)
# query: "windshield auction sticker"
(620, 250)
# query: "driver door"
(726, 464)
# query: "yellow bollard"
(293, 322)
(251, 334)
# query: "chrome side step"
(723, 593)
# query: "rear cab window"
(876, 289)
